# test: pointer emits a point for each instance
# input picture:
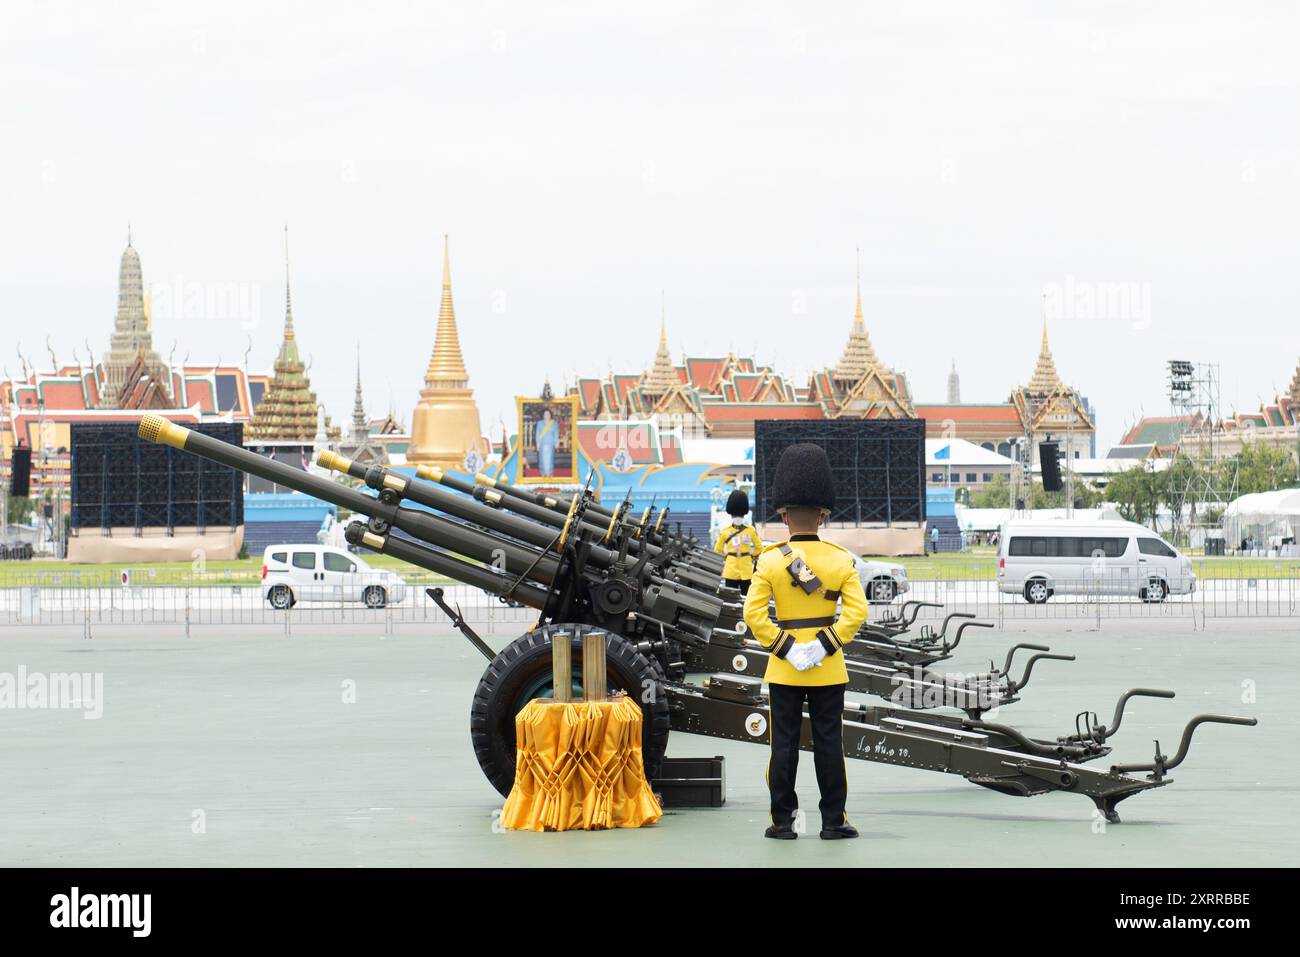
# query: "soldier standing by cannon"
(806, 578)
(739, 544)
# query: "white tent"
(1264, 518)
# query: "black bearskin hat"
(737, 504)
(803, 478)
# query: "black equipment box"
(691, 782)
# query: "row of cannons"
(654, 598)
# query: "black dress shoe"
(839, 833)
(780, 833)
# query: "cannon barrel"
(512, 545)
(690, 567)
(654, 533)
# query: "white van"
(294, 573)
(1046, 558)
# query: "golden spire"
(1045, 380)
(858, 356)
(662, 376)
(445, 423)
(446, 364)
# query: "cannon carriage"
(656, 597)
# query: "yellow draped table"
(578, 766)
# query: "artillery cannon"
(583, 566)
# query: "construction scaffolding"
(1202, 479)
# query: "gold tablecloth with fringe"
(578, 766)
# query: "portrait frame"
(563, 446)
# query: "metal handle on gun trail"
(956, 639)
(1102, 732)
(1029, 667)
(1162, 763)
(1006, 666)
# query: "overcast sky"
(1136, 162)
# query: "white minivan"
(294, 573)
(1046, 558)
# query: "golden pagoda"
(1045, 381)
(445, 424)
(859, 357)
(662, 377)
(287, 413)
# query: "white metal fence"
(89, 601)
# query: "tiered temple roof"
(131, 344)
(287, 412)
(723, 396)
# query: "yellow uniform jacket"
(829, 570)
(740, 544)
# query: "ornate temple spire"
(859, 356)
(445, 423)
(360, 431)
(661, 376)
(288, 296)
(1045, 380)
(1294, 391)
(288, 411)
(954, 385)
(446, 364)
(132, 336)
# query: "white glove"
(813, 653)
(806, 654)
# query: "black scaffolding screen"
(879, 466)
(121, 481)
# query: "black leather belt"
(824, 622)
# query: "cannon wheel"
(522, 671)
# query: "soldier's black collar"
(807, 537)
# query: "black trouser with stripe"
(826, 714)
(741, 583)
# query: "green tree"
(1136, 493)
(1264, 468)
(20, 510)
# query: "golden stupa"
(445, 425)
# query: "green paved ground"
(253, 734)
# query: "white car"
(882, 581)
(1039, 559)
(294, 573)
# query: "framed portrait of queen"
(548, 440)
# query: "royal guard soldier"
(808, 580)
(738, 543)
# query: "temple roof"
(1044, 380)
(662, 376)
(287, 413)
(859, 357)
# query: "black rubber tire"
(885, 585)
(525, 661)
(1047, 593)
(278, 604)
(1146, 593)
(370, 601)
